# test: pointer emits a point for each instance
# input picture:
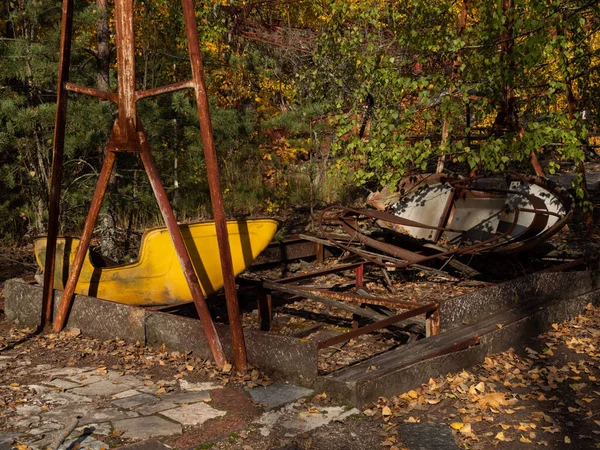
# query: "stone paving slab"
(146, 427)
(147, 410)
(102, 388)
(194, 414)
(278, 394)
(427, 436)
(146, 445)
(135, 400)
(185, 397)
(87, 413)
(101, 429)
(62, 384)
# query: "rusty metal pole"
(57, 159)
(182, 253)
(214, 184)
(86, 237)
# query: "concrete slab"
(427, 436)
(135, 400)
(62, 384)
(64, 398)
(185, 385)
(194, 414)
(146, 445)
(61, 372)
(127, 393)
(147, 410)
(104, 388)
(87, 413)
(185, 397)
(101, 429)
(278, 394)
(146, 427)
(86, 378)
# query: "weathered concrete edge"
(276, 355)
(515, 335)
(470, 308)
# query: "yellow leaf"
(493, 400)
(457, 425)
(567, 440)
(500, 436)
(386, 411)
(466, 428)
(14, 384)
(411, 419)
(227, 368)
(504, 426)
(413, 394)
(524, 440)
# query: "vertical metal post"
(360, 270)
(86, 237)
(182, 253)
(214, 183)
(265, 309)
(125, 44)
(57, 159)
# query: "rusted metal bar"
(325, 300)
(214, 184)
(84, 244)
(182, 252)
(265, 309)
(320, 251)
(360, 270)
(60, 122)
(126, 64)
(432, 323)
(188, 84)
(360, 299)
(566, 265)
(376, 326)
(319, 273)
(110, 96)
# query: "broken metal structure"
(128, 135)
(448, 216)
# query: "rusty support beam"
(432, 323)
(363, 299)
(110, 96)
(360, 270)
(182, 252)
(60, 122)
(376, 326)
(188, 84)
(126, 63)
(84, 244)
(214, 183)
(265, 309)
(320, 273)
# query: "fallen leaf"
(457, 425)
(386, 411)
(500, 436)
(525, 440)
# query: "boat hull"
(156, 278)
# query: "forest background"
(313, 102)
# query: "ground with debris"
(125, 393)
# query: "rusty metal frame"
(128, 136)
(350, 302)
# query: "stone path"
(108, 403)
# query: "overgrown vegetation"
(308, 99)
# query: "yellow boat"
(156, 278)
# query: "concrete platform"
(472, 326)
